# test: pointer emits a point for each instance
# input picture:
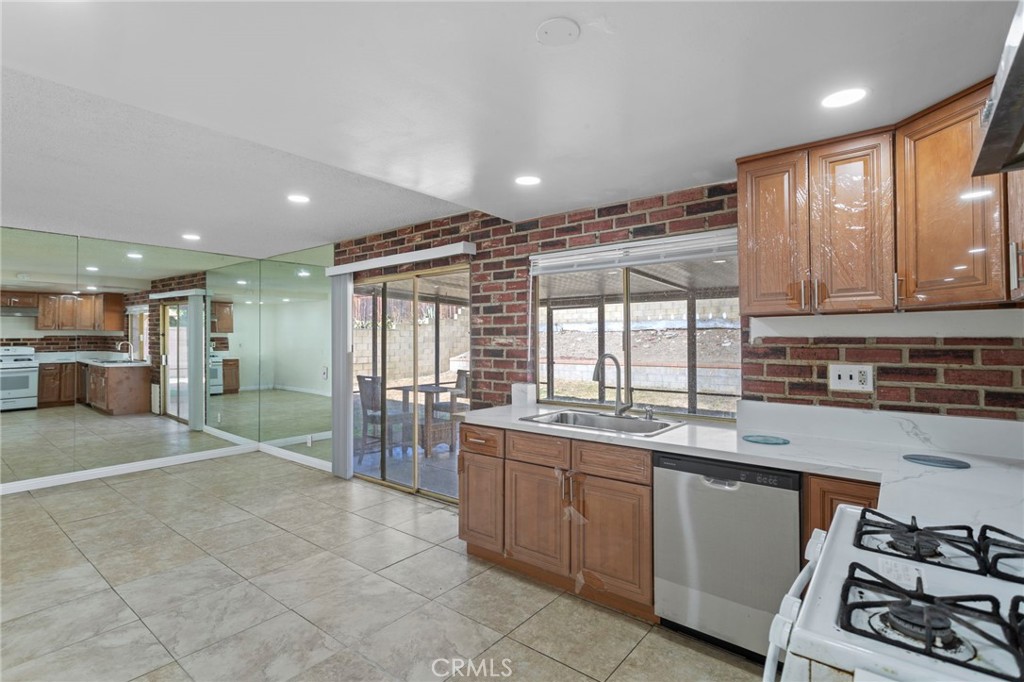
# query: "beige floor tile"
(54, 628)
(434, 571)
(436, 526)
(234, 535)
(212, 617)
(351, 496)
(301, 581)
(345, 666)
(338, 529)
(396, 511)
(407, 647)
(583, 636)
(125, 564)
(268, 555)
(24, 560)
(510, 660)
(49, 588)
(662, 653)
(92, 484)
(123, 653)
(168, 589)
(499, 599)
(126, 529)
(382, 549)
(83, 504)
(293, 512)
(172, 672)
(277, 649)
(191, 520)
(18, 503)
(360, 608)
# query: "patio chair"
(370, 400)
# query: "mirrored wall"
(111, 377)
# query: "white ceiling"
(141, 121)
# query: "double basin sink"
(597, 421)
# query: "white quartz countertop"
(97, 358)
(990, 491)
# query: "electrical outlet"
(309, 441)
(851, 378)
(323, 373)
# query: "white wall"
(244, 344)
(302, 341)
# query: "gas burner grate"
(1003, 553)
(950, 546)
(963, 630)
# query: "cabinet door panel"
(49, 306)
(773, 245)
(482, 500)
(536, 525)
(613, 548)
(823, 494)
(68, 378)
(49, 384)
(851, 225)
(543, 450)
(1015, 223)
(949, 224)
(85, 312)
(67, 317)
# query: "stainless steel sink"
(598, 421)
(117, 362)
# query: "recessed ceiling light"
(303, 273)
(959, 267)
(527, 180)
(298, 198)
(91, 288)
(133, 255)
(248, 302)
(718, 261)
(76, 292)
(979, 249)
(286, 300)
(241, 281)
(261, 302)
(92, 268)
(977, 194)
(844, 98)
(190, 237)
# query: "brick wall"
(971, 377)
(47, 344)
(499, 347)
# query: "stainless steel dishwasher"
(726, 546)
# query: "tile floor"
(254, 568)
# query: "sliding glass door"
(411, 368)
(175, 329)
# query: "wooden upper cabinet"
(85, 312)
(67, 312)
(1015, 224)
(851, 225)
(614, 548)
(49, 305)
(222, 318)
(950, 235)
(773, 248)
(537, 528)
(18, 299)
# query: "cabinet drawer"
(543, 450)
(482, 440)
(612, 461)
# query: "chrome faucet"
(620, 407)
(131, 349)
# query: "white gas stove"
(891, 600)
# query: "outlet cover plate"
(859, 378)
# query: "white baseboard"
(298, 440)
(295, 457)
(296, 389)
(118, 469)
(228, 436)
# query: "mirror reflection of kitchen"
(81, 364)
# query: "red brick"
(976, 341)
(874, 355)
(796, 371)
(978, 377)
(808, 388)
(753, 369)
(722, 219)
(686, 225)
(585, 214)
(631, 220)
(598, 225)
(850, 395)
(685, 196)
(758, 386)
(667, 214)
(785, 340)
(788, 401)
(909, 408)
(1014, 399)
(917, 375)
(941, 356)
(1003, 357)
(764, 353)
(948, 396)
(905, 341)
(553, 220)
(893, 393)
(991, 414)
(843, 403)
(646, 203)
(814, 353)
(839, 341)
(613, 236)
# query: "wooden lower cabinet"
(68, 382)
(57, 383)
(482, 500)
(823, 494)
(119, 390)
(537, 529)
(613, 549)
(230, 375)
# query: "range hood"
(14, 311)
(1002, 122)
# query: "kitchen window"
(667, 309)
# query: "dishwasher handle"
(719, 483)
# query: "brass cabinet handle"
(481, 441)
